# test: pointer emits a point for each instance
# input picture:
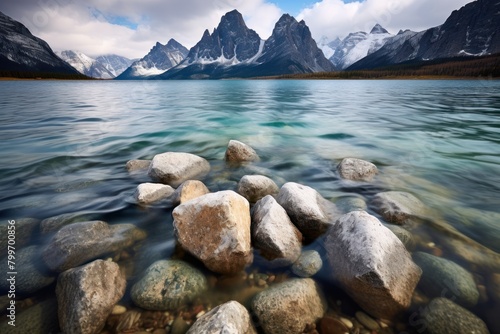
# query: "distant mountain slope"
(358, 45)
(20, 51)
(235, 51)
(159, 59)
(471, 30)
(102, 67)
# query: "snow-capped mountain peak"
(357, 46)
(102, 67)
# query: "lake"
(64, 146)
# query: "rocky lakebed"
(261, 255)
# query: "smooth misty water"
(64, 145)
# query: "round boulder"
(308, 264)
(167, 284)
(256, 187)
(148, 193)
(238, 152)
(189, 190)
(356, 169)
(289, 306)
(173, 168)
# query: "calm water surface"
(64, 145)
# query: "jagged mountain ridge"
(358, 45)
(21, 51)
(471, 30)
(102, 67)
(159, 59)
(234, 50)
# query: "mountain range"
(102, 67)
(232, 50)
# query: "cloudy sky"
(131, 27)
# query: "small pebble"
(347, 322)
(261, 283)
(118, 309)
(431, 245)
(200, 314)
(271, 278)
(367, 321)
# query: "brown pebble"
(437, 252)
(483, 294)
(271, 278)
(261, 283)
(329, 325)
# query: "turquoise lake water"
(64, 146)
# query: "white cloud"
(334, 18)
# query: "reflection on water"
(64, 145)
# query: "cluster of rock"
(367, 259)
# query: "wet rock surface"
(256, 187)
(371, 264)
(356, 169)
(78, 243)
(230, 318)
(238, 152)
(149, 193)
(442, 316)
(273, 233)
(308, 264)
(168, 284)
(86, 296)
(215, 228)
(173, 168)
(189, 190)
(442, 277)
(307, 209)
(397, 207)
(289, 307)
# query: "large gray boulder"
(228, 318)
(32, 275)
(356, 169)
(215, 228)
(289, 306)
(168, 284)
(256, 187)
(307, 209)
(24, 229)
(278, 240)
(86, 296)
(173, 168)
(79, 243)
(238, 152)
(149, 193)
(442, 316)
(397, 207)
(442, 277)
(371, 264)
(189, 190)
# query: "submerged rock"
(24, 229)
(31, 276)
(273, 233)
(289, 306)
(308, 264)
(356, 169)
(404, 235)
(444, 278)
(78, 243)
(307, 209)
(228, 318)
(173, 168)
(189, 190)
(256, 187)
(40, 318)
(351, 203)
(54, 224)
(86, 296)
(371, 264)
(397, 206)
(238, 152)
(148, 193)
(442, 316)
(168, 284)
(215, 228)
(137, 165)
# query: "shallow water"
(64, 145)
